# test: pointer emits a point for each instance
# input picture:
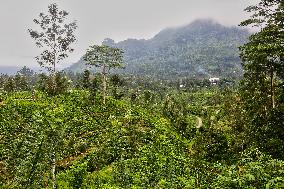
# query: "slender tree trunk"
(54, 68)
(46, 183)
(272, 92)
(53, 167)
(104, 84)
(53, 80)
(197, 180)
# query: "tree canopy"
(54, 36)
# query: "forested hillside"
(201, 49)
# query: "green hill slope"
(202, 49)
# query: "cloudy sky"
(99, 19)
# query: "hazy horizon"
(118, 20)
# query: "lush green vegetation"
(65, 130)
(184, 140)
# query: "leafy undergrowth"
(117, 145)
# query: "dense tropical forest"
(126, 129)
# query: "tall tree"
(25, 71)
(26, 77)
(54, 36)
(263, 62)
(106, 58)
(264, 52)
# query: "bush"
(254, 170)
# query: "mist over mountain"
(204, 48)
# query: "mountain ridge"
(202, 48)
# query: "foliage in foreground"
(126, 145)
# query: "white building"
(214, 80)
